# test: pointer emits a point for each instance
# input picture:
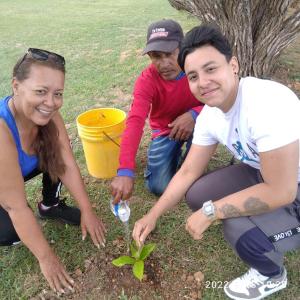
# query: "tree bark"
(258, 30)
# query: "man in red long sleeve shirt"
(163, 92)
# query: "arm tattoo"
(230, 211)
(252, 206)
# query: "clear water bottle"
(121, 210)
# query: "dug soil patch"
(99, 279)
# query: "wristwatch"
(209, 210)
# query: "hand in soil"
(93, 225)
(55, 274)
(142, 228)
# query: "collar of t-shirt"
(180, 75)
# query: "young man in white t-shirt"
(258, 200)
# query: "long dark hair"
(46, 144)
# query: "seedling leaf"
(146, 251)
(123, 260)
(134, 250)
(137, 259)
(138, 269)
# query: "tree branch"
(258, 30)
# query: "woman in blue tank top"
(35, 140)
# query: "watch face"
(208, 209)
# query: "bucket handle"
(111, 139)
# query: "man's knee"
(158, 177)
(163, 158)
(157, 187)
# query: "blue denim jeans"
(164, 158)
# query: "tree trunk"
(258, 30)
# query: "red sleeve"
(198, 108)
(143, 94)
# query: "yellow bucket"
(100, 131)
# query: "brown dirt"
(99, 279)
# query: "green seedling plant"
(137, 258)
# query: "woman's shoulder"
(4, 129)
(4, 105)
(6, 137)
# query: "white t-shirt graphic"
(265, 116)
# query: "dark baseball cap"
(164, 35)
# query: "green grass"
(101, 41)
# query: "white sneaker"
(16, 243)
(253, 285)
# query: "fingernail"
(103, 245)
(83, 238)
(62, 291)
(98, 246)
(72, 281)
(71, 289)
(104, 241)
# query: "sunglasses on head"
(43, 55)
